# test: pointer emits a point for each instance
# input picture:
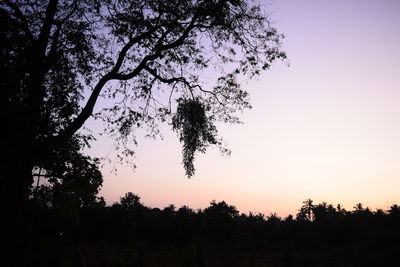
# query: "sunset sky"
(327, 127)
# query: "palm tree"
(306, 211)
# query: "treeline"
(131, 234)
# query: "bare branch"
(127, 46)
(166, 80)
(84, 114)
(156, 54)
(46, 27)
(170, 80)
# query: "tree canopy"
(129, 233)
(59, 57)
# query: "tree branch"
(46, 27)
(114, 75)
(166, 80)
(86, 112)
(157, 53)
(53, 49)
(170, 80)
(127, 46)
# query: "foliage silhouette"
(68, 186)
(55, 52)
(59, 57)
(218, 236)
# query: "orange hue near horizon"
(325, 128)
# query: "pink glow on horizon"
(325, 128)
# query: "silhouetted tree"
(273, 218)
(68, 182)
(130, 201)
(394, 210)
(71, 184)
(359, 210)
(55, 51)
(220, 221)
(170, 236)
(324, 213)
(65, 186)
(340, 211)
(306, 211)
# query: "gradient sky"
(327, 127)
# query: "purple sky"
(325, 128)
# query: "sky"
(325, 125)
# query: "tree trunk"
(15, 182)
